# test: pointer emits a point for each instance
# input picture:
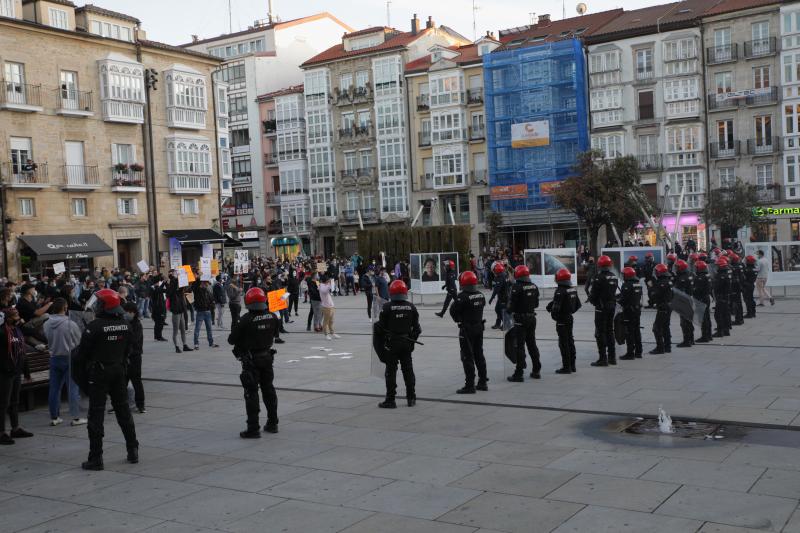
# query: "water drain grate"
(681, 429)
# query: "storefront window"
(765, 231)
(794, 226)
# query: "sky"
(174, 21)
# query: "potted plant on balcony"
(121, 168)
(137, 167)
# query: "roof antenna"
(532, 18)
(389, 13)
(475, 9)
(230, 18)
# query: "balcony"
(723, 53)
(760, 47)
(766, 96)
(291, 155)
(426, 182)
(80, 178)
(25, 175)
(348, 173)
(645, 74)
(650, 162)
(690, 201)
(477, 133)
(189, 184)
(270, 160)
(444, 136)
(479, 177)
(290, 123)
(423, 102)
(475, 96)
(72, 103)
(724, 150)
(354, 132)
(721, 101)
(21, 97)
(684, 159)
(128, 180)
(126, 112)
(365, 172)
(272, 198)
(294, 190)
(349, 215)
(424, 138)
(275, 227)
(270, 127)
(186, 118)
(353, 95)
(764, 146)
(769, 194)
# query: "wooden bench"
(39, 367)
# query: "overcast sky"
(174, 21)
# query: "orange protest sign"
(189, 273)
(276, 300)
(214, 267)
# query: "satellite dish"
(581, 8)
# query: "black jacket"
(177, 300)
(630, 296)
(450, 281)
(662, 293)
(203, 300)
(12, 351)
(524, 298)
(702, 287)
(399, 319)
(467, 309)
(107, 340)
(565, 303)
(137, 339)
(158, 304)
(603, 291)
(254, 334)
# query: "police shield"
(687, 307)
(379, 341)
(619, 327)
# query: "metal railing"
(270, 159)
(188, 183)
(650, 162)
(761, 47)
(477, 132)
(645, 73)
(765, 145)
(270, 126)
(350, 214)
(724, 150)
(294, 190)
(81, 175)
(722, 53)
(272, 198)
(722, 103)
(458, 134)
(423, 102)
(770, 193)
(127, 178)
(289, 155)
(13, 93)
(24, 174)
(369, 214)
(348, 173)
(763, 98)
(72, 100)
(365, 172)
(475, 95)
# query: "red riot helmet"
(563, 275)
(521, 272)
(628, 273)
(468, 278)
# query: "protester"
(63, 336)
(763, 268)
(220, 300)
(203, 304)
(12, 363)
(177, 306)
(328, 307)
(234, 295)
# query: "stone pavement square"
(610, 491)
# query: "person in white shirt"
(326, 288)
(761, 280)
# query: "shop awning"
(195, 236)
(284, 241)
(55, 247)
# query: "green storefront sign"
(767, 212)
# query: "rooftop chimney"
(544, 20)
(430, 23)
(490, 35)
(195, 38)
(415, 25)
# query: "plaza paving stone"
(530, 457)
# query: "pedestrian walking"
(63, 335)
(177, 306)
(763, 268)
(326, 288)
(203, 304)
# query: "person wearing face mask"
(135, 354)
(158, 307)
(12, 363)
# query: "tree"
(340, 251)
(493, 222)
(603, 192)
(730, 208)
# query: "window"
(610, 145)
(604, 61)
(292, 181)
(345, 82)
(391, 157)
(317, 129)
(394, 196)
(723, 82)
(727, 177)
(761, 77)
(291, 145)
(723, 50)
(112, 31)
(725, 137)
(225, 155)
(15, 83)
(238, 49)
(323, 202)
(232, 73)
(448, 170)
(683, 144)
(446, 126)
(287, 111)
(445, 91)
(21, 151)
(350, 162)
(691, 183)
(791, 115)
(186, 91)
(238, 107)
(362, 78)
(242, 167)
(240, 137)
(606, 99)
(648, 145)
(366, 158)
(764, 176)
(348, 120)
(123, 154)
(644, 64)
(368, 200)
(351, 200)
(791, 67)
(763, 132)
(128, 206)
(122, 82)
(58, 18)
(188, 157)
(646, 110)
(316, 87)
(682, 89)
(389, 117)
(386, 73)
(791, 169)
(680, 49)
(7, 8)
(320, 167)
(27, 207)
(190, 206)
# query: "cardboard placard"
(207, 251)
(276, 300)
(189, 273)
(215, 267)
(205, 269)
(183, 279)
(143, 266)
(59, 268)
(322, 268)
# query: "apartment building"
(447, 137)
(356, 133)
(785, 228)
(100, 165)
(646, 98)
(259, 60)
(283, 115)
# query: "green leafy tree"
(603, 192)
(731, 208)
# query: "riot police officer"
(749, 285)
(449, 286)
(671, 258)
(737, 282)
(522, 305)
(722, 293)
(632, 262)
(662, 298)
(103, 352)
(467, 311)
(399, 322)
(702, 293)
(603, 296)
(685, 283)
(252, 339)
(500, 291)
(646, 273)
(565, 304)
(630, 298)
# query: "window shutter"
(119, 206)
(135, 206)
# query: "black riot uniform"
(748, 289)
(603, 296)
(500, 291)
(722, 293)
(735, 305)
(702, 293)
(252, 339)
(399, 320)
(104, 350)
(662, 298)
(645, 272)
(630, 298)
(467, 311)
(685, 283)
(449, 286)
(522, 305)
(566, 303)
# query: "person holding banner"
(177, 306)
(467, 312)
